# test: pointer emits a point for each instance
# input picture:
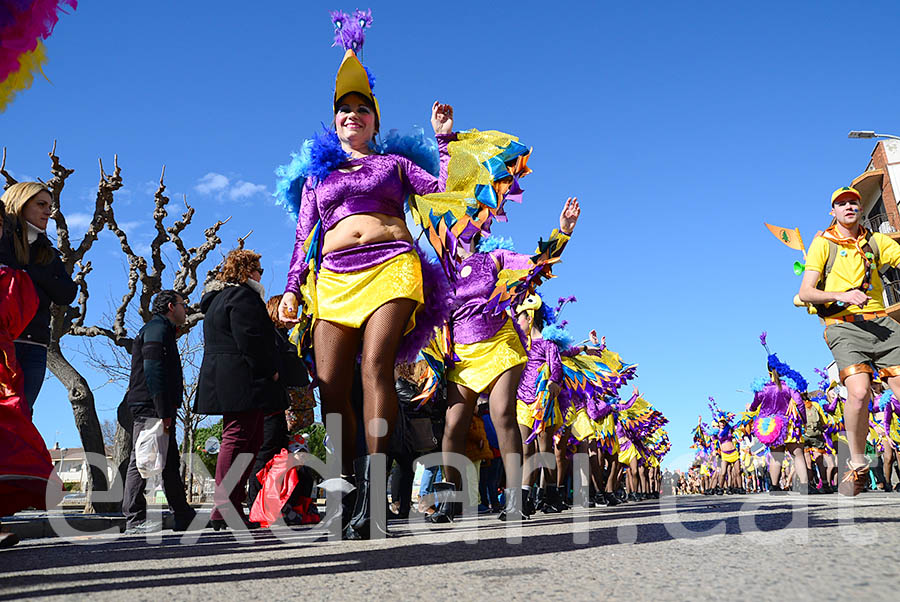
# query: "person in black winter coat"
(25, 245)
(292, 375)
(239, 373)
(156, 391)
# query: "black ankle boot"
(610, 499)
(447, 509)
(512, 511)
(552, 501)
(539, 498)
(361, 524)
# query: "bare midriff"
(727, 447)
(364, 229)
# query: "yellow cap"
(352, 77)
(846, 192)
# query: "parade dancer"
(843, 281)
(781, 418)
(729, 467)
(354, 262)
(488, 356)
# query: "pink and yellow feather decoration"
(24, 24)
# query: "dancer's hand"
(442, 118)
(569, 216)
(593, 335)
(554, 390)
(287, 309)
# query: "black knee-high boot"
(361, 525)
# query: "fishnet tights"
(336, 347)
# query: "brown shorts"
(860, 346)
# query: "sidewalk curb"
(40, 526)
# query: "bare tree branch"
(9, 179)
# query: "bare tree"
(108, 428)
(70, 320)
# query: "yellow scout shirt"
(849, 268)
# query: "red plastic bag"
(278, 479)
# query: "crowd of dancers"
(788, 438)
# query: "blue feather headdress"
(793, 378)
(718, 414)
(493, 242)
(322, 154)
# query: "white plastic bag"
(150, 448)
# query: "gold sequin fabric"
(301, 413)
(349, 299)
(481, 363)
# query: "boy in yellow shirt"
(858, 330)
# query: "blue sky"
(681, 127)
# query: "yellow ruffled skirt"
(481, 363)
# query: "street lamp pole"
(870, 134)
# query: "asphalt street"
(762, 547)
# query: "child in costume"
(782, 415)
(354, 263)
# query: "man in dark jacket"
(156, 391)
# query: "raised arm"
(420, 181)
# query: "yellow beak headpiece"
(531, 304)
(352, 77)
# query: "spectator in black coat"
(26, 246)
(238, 374)
(292, 375)
(156, 391)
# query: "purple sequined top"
(380, 185)
(598, 409)
(475, 278)
(774, 402)
(542, 352)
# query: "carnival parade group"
(440, 342)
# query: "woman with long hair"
(29, 206)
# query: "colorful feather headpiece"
(352, 76)
(24, 24)
(718, 414)
(793, 378)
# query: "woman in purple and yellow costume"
(544, 360)
(729, 467)
(781, 418)
(488, 353)
(354, 261)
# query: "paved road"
(816, 548)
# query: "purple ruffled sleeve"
(757, 400)
(831, 406)
(624, 406)
(418, 181)
(309, 217)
